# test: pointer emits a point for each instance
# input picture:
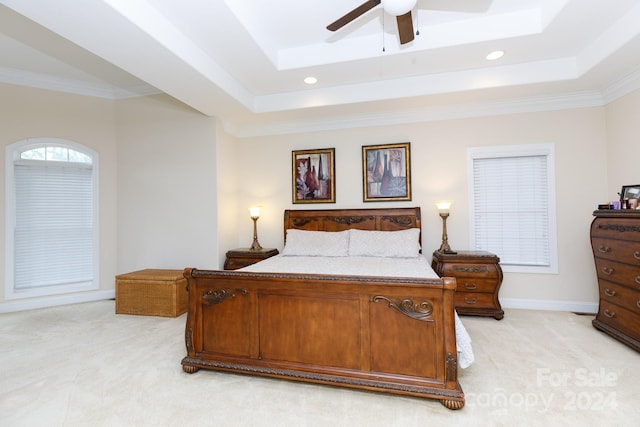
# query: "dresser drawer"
(474, 300)
(620, 319)
(627, 251)
(620, 295)
(470, 270)
(618, 272)
(616, 228)
(472, 284)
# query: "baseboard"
(517, 303)
(528, 304)
(53, 301)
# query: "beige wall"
(27, 113)
(623, 143)
(439, 171)
(174, 187)
(167, 198)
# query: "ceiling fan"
(401, 9)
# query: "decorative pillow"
(393, 244)
(316, 243)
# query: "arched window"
(51, 225)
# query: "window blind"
(53, 235)
(511, 208)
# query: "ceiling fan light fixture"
(398, 7)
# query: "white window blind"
(53, 235)
(512, 208)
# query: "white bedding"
(369, 266)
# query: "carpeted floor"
(83, 365)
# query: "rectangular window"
(512, 206)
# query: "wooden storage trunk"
(151, 292)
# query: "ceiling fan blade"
(355, 13)
(405, 27)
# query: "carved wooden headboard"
(391, 219)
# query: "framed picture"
(386, 171)
(314, 177)
(630, 192)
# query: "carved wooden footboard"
(395, 335)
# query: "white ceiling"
(244, 60)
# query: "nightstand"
(238, 258)
(479, 277)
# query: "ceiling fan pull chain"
(383, 44)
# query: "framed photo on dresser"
(630, 192)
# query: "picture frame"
(386, 172)
(630, 192)
(314, 176)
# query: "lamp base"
(255, 246)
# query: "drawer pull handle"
(608, 271)
(638, 303)
(470, 300)
(608, 292)
(604, 249)
(636, 254)
(638, 280)
(470, 286)
(609, 314)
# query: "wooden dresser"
(479, 277)
(615, 240)
(238, 258)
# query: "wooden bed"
(388, 334)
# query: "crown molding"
(76, 87)
(622, 86)
(460, 111)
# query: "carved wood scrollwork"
(350, 220)
(407, 307)
(463, 269)
(619, 227)
(300, 222)
(217, 296)
(401, 221)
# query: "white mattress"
(365, 266)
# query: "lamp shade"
(443, 205)
(398, 7)
(254, 211)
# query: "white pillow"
(316, 243)
(393, 244)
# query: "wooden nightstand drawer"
(471, 284)
(473, 300)
(239, 258)
(470, 270)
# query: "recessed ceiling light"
(496, 54)
(310, 80)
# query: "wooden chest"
(615, 240)
(478, 275)
(151, 292)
